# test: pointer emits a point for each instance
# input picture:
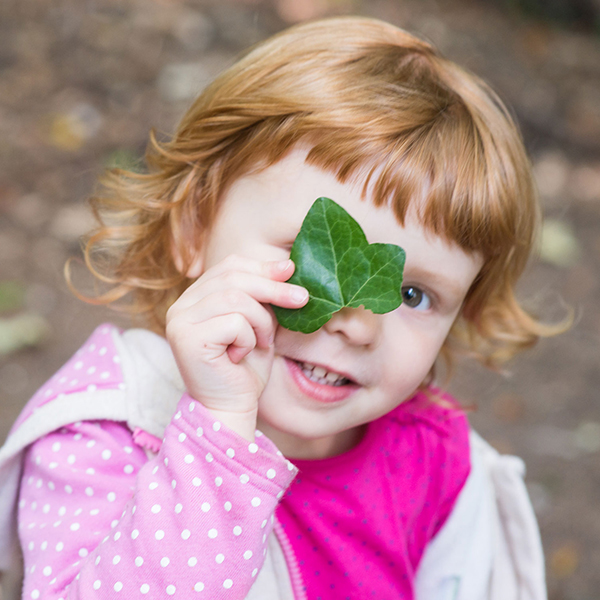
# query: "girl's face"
(303, 409)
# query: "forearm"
(196, 516)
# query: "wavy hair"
(371, 101)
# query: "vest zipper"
(298, 587)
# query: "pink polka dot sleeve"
(97, 519)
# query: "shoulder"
(95, 366)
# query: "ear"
(195, 262)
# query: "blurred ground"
(81, 83)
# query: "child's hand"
(221, 331)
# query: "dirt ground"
(81, 84)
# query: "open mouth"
(320, 384)
(322, 375)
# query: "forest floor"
(82, 83)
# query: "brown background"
(82, 82)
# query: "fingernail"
(299, 294)
(283, 265)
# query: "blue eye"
(413, 297)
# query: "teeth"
(321, 375)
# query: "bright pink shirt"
(359, 522)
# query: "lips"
(319, 383)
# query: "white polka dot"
(263, 524)
(59, 546)
(254, 572)
(35, 594)
(106, 454)
(53, 465)
(47, 571)
(97, 561)
(193, 561)
(218, 481)
(118, 586)
(117, 536)
(189, 458)
(155, 509)
(134, 534)
(91, 444)
(248, 554)
(78, 365)
(56, 447)
(128, 469)
(199, 586)
(227, 506)
(185, 534)
(83, 552)
(159, 535)
(74, 382)
(181, 437)
(51, 485)
(164, 561)
(196, 481)
(178, 508)
(178, 415)
(212, 534)
(68, 489)
(153, 485)
(155, 470)
(139, 561)
(237, 530)
(216, 426)
(205, 507)
(227, 584)
(244, 478)
(114, 523)
(111, 496)
(128, 449)
(91, 370)
(116, 559)
(219, 558)
(255, 501)
(97, 584)
(271, 473)
(253, 448)
(170, 589)
(290, 466)
(46, 509)
(230, 452)
(89, 491)
(199, 432)
(209, 457)
(145, 588)
(279, 494)
(116, 359)
(75, 526)
(105, 375)
(92, 387)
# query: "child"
(215, 454)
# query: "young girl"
(215, 454)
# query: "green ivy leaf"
(339, 268)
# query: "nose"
(358, 325)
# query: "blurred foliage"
(12, 295)
(581, 15)
(124, 159)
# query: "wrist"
(242, 423)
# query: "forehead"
(275, 200)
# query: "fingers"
(263, 281)
(243, 311)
